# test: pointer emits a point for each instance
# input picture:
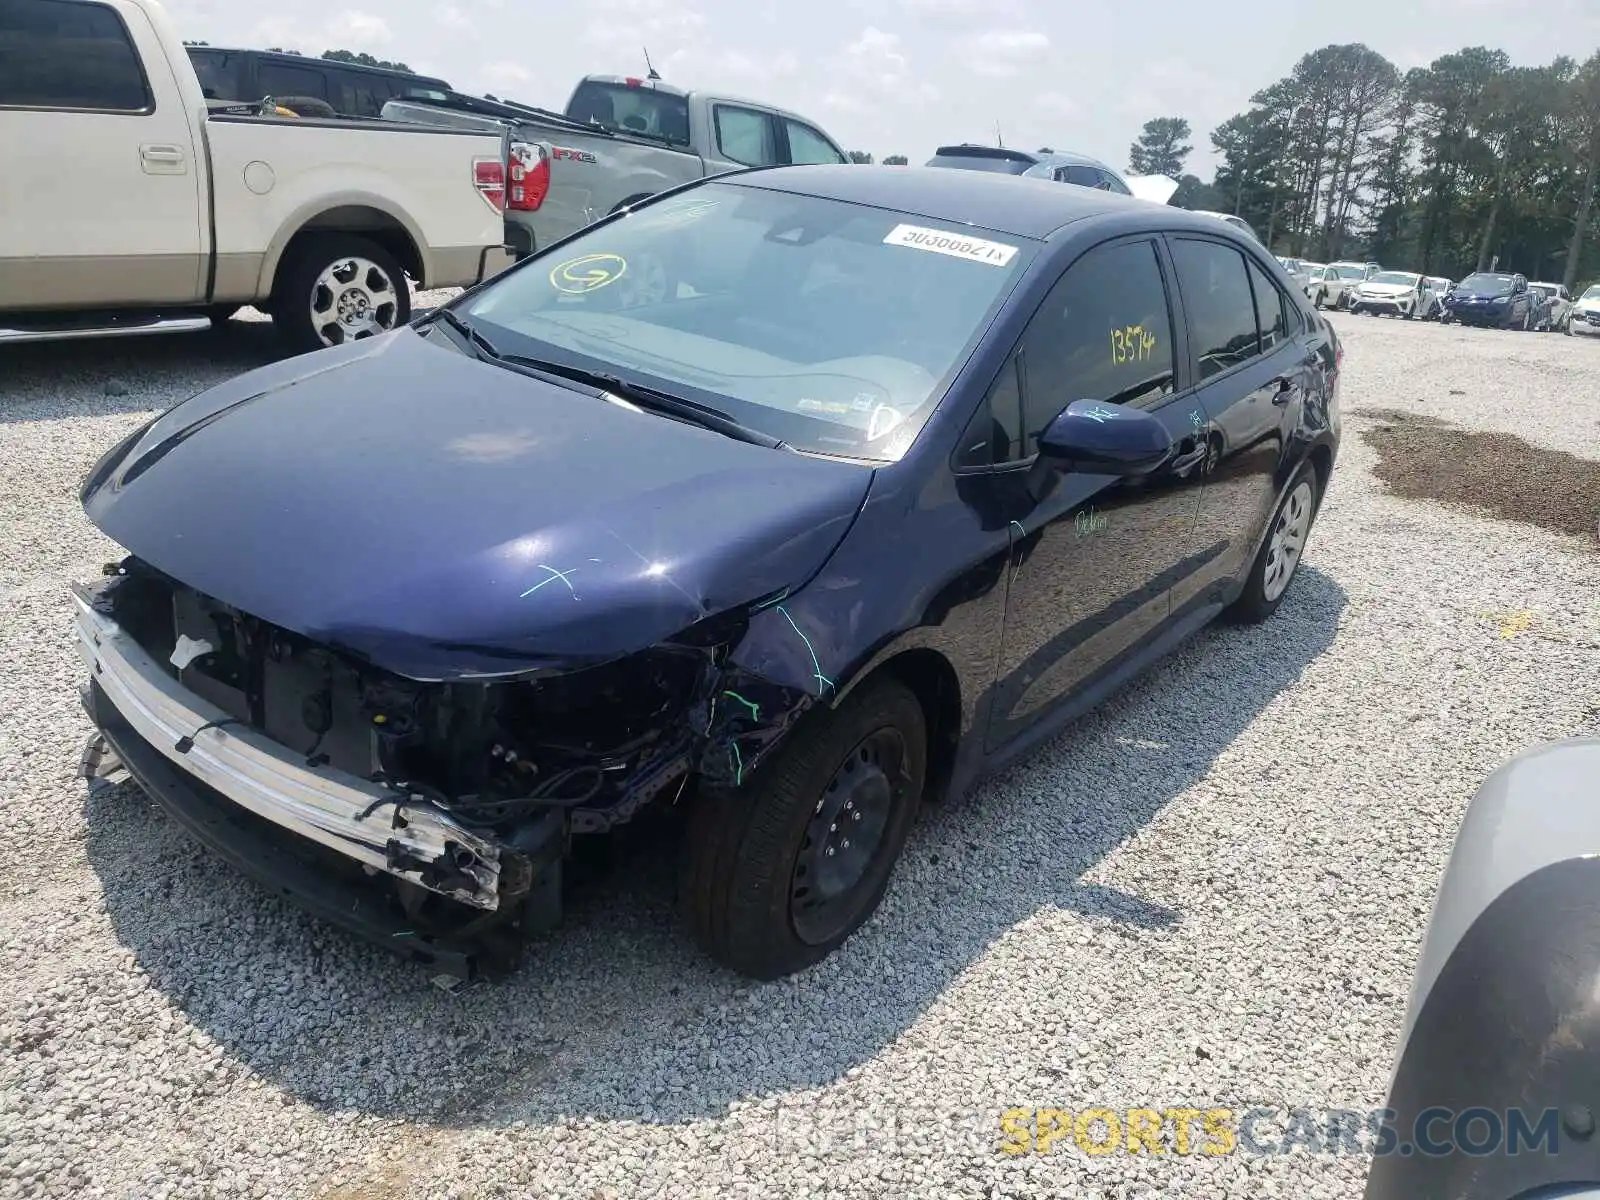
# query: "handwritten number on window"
(1131, 343)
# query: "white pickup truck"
(129, 205)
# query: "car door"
(100, 188)
(1253, 365)
(1095, 555)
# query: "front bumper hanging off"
(271, 816)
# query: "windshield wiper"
(652, 399)
(603, 383)
(482, 347)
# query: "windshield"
(637, 110)
(1591, 293)
(1491, 285)
(831, 326)
(1544, 289)
(1403, 278)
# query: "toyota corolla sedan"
(795, 498)
(1497, 300)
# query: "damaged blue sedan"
(794, 498)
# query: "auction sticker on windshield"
(996, 254)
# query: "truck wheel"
(338, 288)
(780, 873)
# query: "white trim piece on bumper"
(256, 773)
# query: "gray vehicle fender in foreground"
(1504, 1016)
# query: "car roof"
(1069, 158)
(284, 56)
(1021, 207)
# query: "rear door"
(1253, 359)
(100, 186)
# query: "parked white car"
(1297, 270)
(1557, 307)
(1395, 293)
(1585, 315)
(1339, 280)
(1313, 272)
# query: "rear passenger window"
(1270, 319)
(745, 136)
(1218, 303)
(360, 95)
(220, 74)
(284, 79)
(1103, 333)
(994, 435)
(806, 145)
(68, 54)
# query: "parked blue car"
(1499, 300)
(796, 497)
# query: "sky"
(905, 76)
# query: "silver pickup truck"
(621, 139)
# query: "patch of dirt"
(1424, 458)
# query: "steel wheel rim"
(1288, 541)
(353, 298)
(846, 837)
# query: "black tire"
(1258, 601)
(298, 289)
(1316, 301)
(744, 890)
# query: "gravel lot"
(1209, 893)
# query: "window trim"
(1016, 357)
(774, 131)
(787, 150)
(1288, 335)
(138, 60)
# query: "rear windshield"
(980, 162)
(1544, 289)
(1348, 272)
(1403, 278)
(643, 111)
(787, 312)
(1491, 285)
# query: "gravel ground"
(1210, 893)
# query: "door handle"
(161, 154)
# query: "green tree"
(363, 59)
(861, 158)
(1162, 148)
(896, 160)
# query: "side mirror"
(1099, 438)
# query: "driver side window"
(1103, 333)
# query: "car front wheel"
(778, 873)
(1279, 557)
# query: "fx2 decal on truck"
(570, 155)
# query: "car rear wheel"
(777, 874)
(1278, 560)
(339, 288)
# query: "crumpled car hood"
(444, 518)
